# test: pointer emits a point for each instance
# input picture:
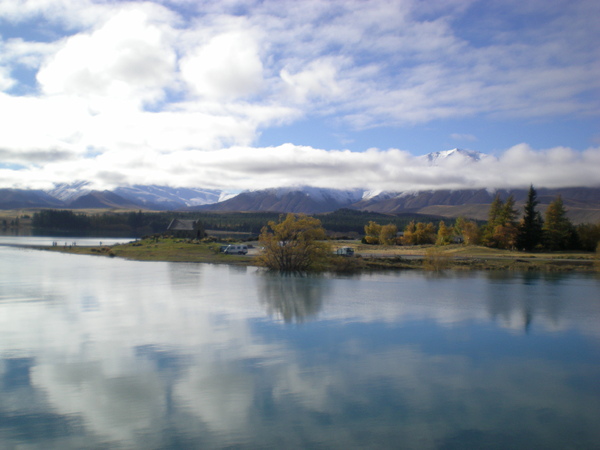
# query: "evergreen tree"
(508, 213)
(495, 210)
(530, 229)
(501, 229)
(588, 236)
(559, 232)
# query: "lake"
(106, 353)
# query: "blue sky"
(251, 94)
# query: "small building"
(458, 239)
(187, 229)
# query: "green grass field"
(176, 250)
(367, 256)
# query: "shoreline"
(428, 258)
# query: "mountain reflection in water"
(107, 353)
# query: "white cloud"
(227, 67)
(126, 58)
(6, 81)
(241, 167)
(317, 80)
(144, 82)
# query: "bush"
(435, 259)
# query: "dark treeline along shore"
(379, 241)
(137, 224)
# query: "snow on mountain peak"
(67, 192)
(456, 154)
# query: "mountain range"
(583, 204)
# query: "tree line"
(69, 221)
(140, 223)
(532, 232)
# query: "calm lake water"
(107, 353)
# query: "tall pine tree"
(529, 234)
(501, 230)
(559, 232)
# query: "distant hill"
(583, 204)
(100, 200)
(306, 200)
(19, 199)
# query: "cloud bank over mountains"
(179, 93)
(240, 168)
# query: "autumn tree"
(501, 229)
(387, 235)
(529, 234)
(419, 233)
(459, 225)
(559, 232)
(467, 230)
(372, 233)
(294, 244)
(444, 234)
(471, 233)
(409, 233)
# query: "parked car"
(236, 250)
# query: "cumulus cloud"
(127, 57)
(228, 66)
(144, 91)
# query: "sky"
(250, 94)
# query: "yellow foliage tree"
(294, 244)
(388, 233)
(372, 233)
(444, 235)
(470, 233)
(409, 234)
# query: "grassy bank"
(368, 257)
(176, 250)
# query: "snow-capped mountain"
(454, 156)
(68, 192)
(304, 199)
(165, 198)
(583, 203)
(80, 194)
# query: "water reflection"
(118, 354)
(293, 297)
(520, 298)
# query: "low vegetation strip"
(161, 249)
(367, 257)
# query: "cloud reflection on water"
(187, 353)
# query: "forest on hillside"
(143, 223)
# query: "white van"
(236, 250)
(345, 251)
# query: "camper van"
(345, 251)
(236, 250)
